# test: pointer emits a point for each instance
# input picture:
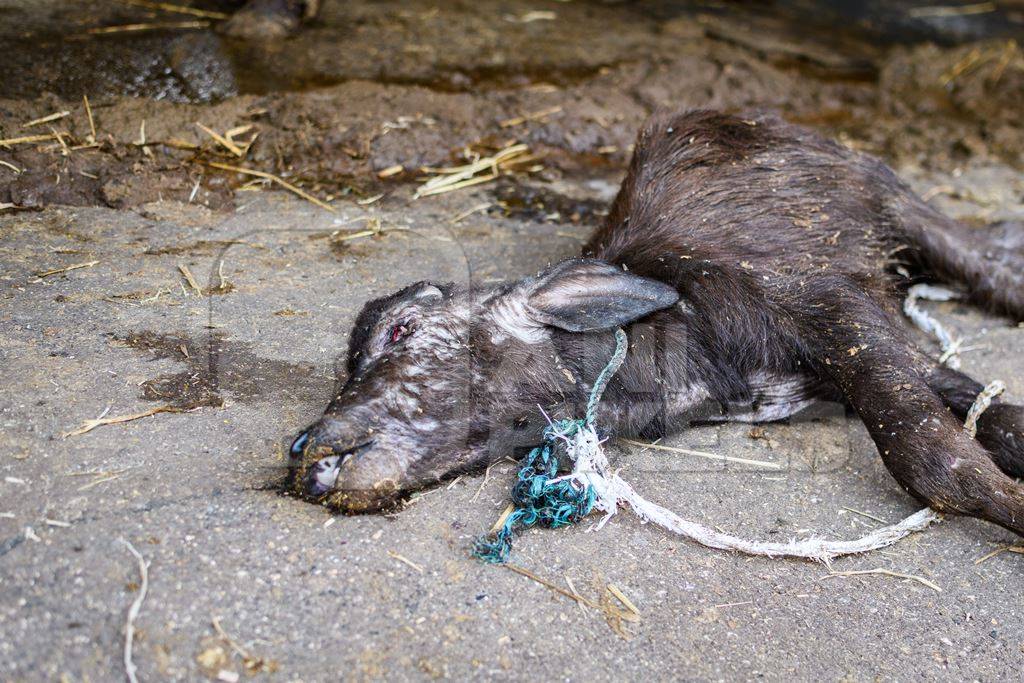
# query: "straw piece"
(701, 454)
(65, 269)
(405, 560)
(457, 218)
(509, 509)
(179, 9)
(390, 171)
(623, 599)
(1018, 549)
(88, 113)
(63, 145)
(547, 584)
(190, 279)
(253, 664)
(861, 572)
(153, 26)
(457, 177)
(864, 514)
(90, 425)
(56, 116)
(223, 141)
(178, 143)
(532, 116)
(26, 139)
(270, 176)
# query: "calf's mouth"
(322, 475)
(342, 479)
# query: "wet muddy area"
(381, 89)
(216, 368)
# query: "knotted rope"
(539, 495)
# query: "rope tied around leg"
(981, 404)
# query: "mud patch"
(540, 204)
(114, 176)
(214, 369)
(405, 96)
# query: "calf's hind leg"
(921, 443)
(1000, 427)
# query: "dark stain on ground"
(202, 66)
(259, 78)
(215, 368)
(197, 248)
(543, 205)
(190, 66)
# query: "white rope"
(949, 344)
(981, 404)
(591, 468)
(133, 612)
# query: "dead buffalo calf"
(756, 267)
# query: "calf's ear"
(581, 295)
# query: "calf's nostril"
(322, 476)
(299, 445)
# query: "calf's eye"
(397, 332)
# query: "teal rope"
(536, 498)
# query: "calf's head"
(441, 379)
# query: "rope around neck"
(539, 495)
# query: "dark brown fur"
(785, 246)
(789, 256)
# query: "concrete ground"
(249, 359)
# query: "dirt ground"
(103, 215)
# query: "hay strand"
(702, 454)
(223, 141)
(458, 177)
(178, 9)
(533, 116)
(150, 26)
(56, 116)
(92, 123)
(92, 424)
(190, 279)
(65, 269)
(277, 179)
(885, 572)
(405, 560)
(26, 139)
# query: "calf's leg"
(884, 378)
(1000, 427)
